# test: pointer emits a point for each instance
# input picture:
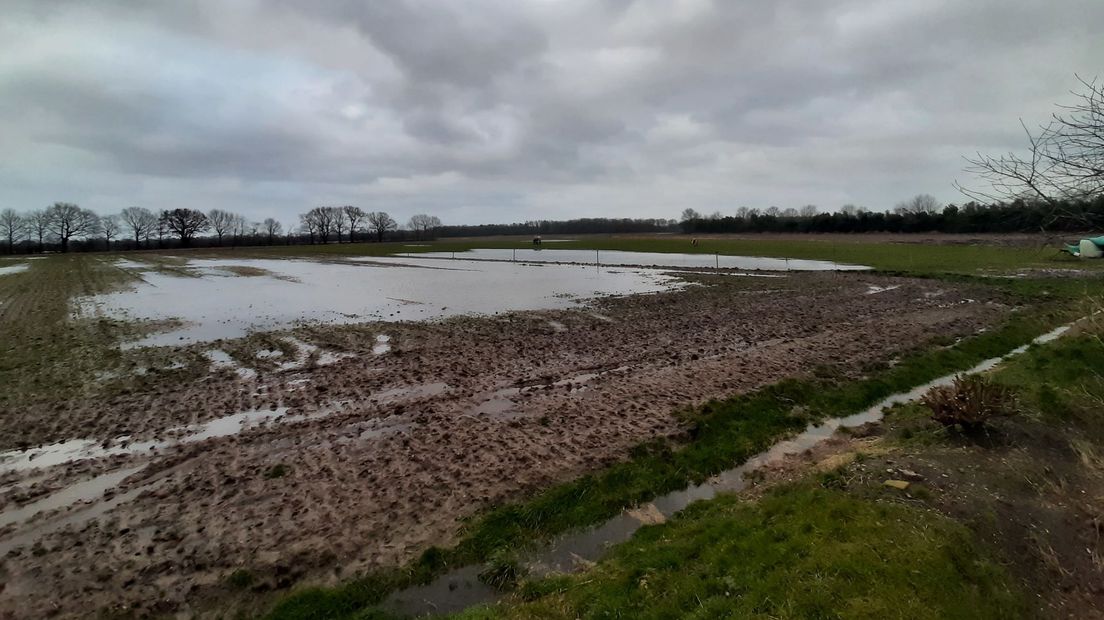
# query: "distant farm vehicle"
(537, 240)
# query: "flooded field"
(361, 440)
(645, 259)
(213, 300)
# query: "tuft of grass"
(277, 471)
(240, 579)
(502, 571)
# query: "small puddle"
(86, 491)
(461, 588)
(383, 345)
(304, 351)
(499, 403)
(10, 269)
(221, 360)
(424, 390)
(78, 449)
(72, 519)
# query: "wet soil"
(381, 454)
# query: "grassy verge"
(802, 551)
(723, 433)
(903, 257)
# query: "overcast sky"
(508, 110)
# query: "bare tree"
(918, 204)
(380, 223)
(337, 221)
(162, 227)
(773, 211)
(109, 227)
(320, 221)
(67, 220)
(789, 212)
(39, 223)
(1064, 161)
(140, 222)
(422, 224)
(809, 211)
(849, 209)
(185, 223)
(743, 213)
(272, 229)
(222, 223)
(13, 226)
(308, 223)
(355, 215)
(690, 215)
(238, 226)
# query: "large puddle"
(644, 259)
(10, 269)
(220, 304)
(461, 588)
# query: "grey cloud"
(500, 110)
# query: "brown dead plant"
(970, 403)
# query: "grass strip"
(801, 551)
(883, 256)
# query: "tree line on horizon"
(64, 226)
(923, 213)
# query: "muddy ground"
(389, 450)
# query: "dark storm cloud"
(500, 110)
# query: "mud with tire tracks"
(367, 459)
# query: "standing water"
(643, 259)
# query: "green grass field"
(898, 257)
(803, 551)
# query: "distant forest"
(921, 214)
(918, 215)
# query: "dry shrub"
(969, 402)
